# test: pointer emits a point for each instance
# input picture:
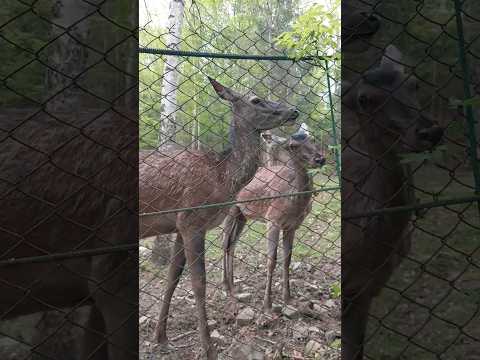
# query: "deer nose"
(320, 161)
(372, 22)
(432, 135)
(295, 114)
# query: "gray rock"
(246, 352)
(217, 337)
(276, 308)
(245, 317)
(211, 324)
(291, 312)
(330, 303)
(312, 347)
(244, 297)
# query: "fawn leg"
(354, 323)
(194, 245)
(174, 272)
(233, 227)
(273, 232)
(288, 236)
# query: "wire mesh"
(68, 220)
(187, 127)
(411, 214)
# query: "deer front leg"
(174, 272)
(273, 232)
(194, 245)
(288, 236)
(354, 323)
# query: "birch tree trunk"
(166, 136)
(67, 56)
(167, 129)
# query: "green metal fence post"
(334, 127)
(469, 111)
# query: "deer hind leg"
(288, 236)
(233, 227)
(354, 324)
(273, 233)
(194, 245)
(174, 273)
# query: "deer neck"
(388, 173)
(242, 162)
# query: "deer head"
(254, 112)
(386, 102)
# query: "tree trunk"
(168, 129)
(67, 55)
(166, 136)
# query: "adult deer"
(55, 201)
(381, 119)
(284, 214)
(192, 178)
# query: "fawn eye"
(256, 101)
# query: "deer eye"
(256, 101)
(363, 100)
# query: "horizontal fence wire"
(207, 55)
(69, 255)
(230, 203)
(190, 126)
(410, 223)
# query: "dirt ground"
(307, 329)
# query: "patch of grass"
(317, 237)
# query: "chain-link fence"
(223, 148)
(68, 219)
(410, 190)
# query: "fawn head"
(301, 148)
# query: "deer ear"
(393, 58)
(222, 91)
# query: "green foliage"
(335, 290)
(314, 33)
(243, 27)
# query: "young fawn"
(284, 214)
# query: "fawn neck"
(302, 181)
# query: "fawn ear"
(296, 140)
(222, 91)
(393, 58)
(267, 137)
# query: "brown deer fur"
(55, 201)
(284, 214)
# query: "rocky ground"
(307, 329)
